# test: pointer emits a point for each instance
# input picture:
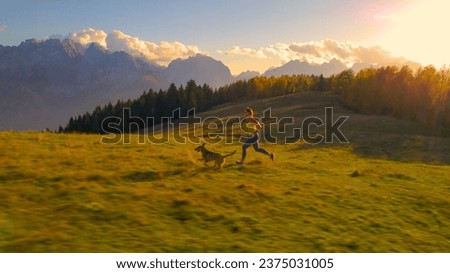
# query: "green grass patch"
(70, 193)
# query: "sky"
(244, 34)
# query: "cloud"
(318, 52)
(236, 50)
(88, 36)
(161, 53)
(3, 27)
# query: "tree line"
(201, 97)
(422, 96)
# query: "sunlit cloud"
(88, 36)
(161, 53)
(281, 51)
(236, 50)
(318, 52)
(3, 27)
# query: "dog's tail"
(229, 154)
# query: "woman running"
(252, 126)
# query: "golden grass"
(70, 193)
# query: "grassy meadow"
(383, 192)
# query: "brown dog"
(209, 156)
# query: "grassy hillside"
(386, 191)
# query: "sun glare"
(420, 33)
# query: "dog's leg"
(219, 164)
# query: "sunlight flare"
(420, 32)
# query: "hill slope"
(368, 135)
(80, 195)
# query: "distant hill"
(247, 75)
(378, 136)
(43, 83)
(334, 66)
(202, 69)
(297, 67)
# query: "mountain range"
(45, 82)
